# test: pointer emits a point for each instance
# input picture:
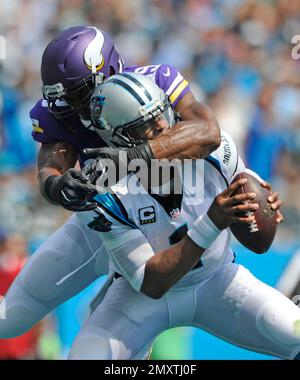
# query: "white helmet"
(125, 105)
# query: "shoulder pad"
(172, 83)
(167, 77)
(38, 132)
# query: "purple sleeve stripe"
(179, 93)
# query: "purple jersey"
(47, 129)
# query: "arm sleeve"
(229, 160)
(39, 133)
(169, 79)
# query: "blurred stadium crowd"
(236, 55)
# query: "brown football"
(258, 235)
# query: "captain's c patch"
(147, 215)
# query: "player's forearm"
(167, 267)
(54, 159)
(186, 140)
(43, 174)
(195, 137)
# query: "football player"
(74, 63)
(177, 269)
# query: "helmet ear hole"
(112, 71)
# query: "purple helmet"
(73, 64)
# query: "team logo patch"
(147, 215)
(100, 224)
(97, 106)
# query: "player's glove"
(120, 158)
(70, 191)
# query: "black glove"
(119, 156)
(70, 191)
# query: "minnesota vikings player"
(74, 63)
(176, 269)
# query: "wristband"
(204, 232)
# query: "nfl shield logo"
(175, 213)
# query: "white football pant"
(70, 260)
(232, 305)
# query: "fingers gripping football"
(250, 209)
(228, 208)
(259, 234)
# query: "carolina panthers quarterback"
(173, 269)
(74, 63)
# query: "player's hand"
(119, 158)
(71, 191)
(226, 208)
(275, 201)
(102, 157)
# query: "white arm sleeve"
(232, 164)
(129, 252)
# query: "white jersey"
(138, 225)
(218, 296)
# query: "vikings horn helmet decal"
(93, 56)
(73, 64)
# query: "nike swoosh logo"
(168, 73)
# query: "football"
(258, 235)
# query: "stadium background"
(236, 55)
